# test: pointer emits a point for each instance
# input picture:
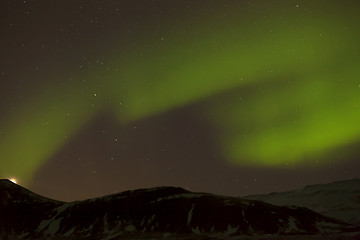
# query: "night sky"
(227, 97)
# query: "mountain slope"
(163, 211)
(340, 200)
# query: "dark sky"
(228, 97)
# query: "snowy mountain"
(164, 212)
(340, 200)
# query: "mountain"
(340, 200)
(163, 212)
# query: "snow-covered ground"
(347, 236)
(340, 200)
(175, 213)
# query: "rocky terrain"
(157, 213)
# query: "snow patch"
(328, 227)
(152, 218)
(69, 233)
(167, 234)
(196, 230)
(190, 214)
(53, 227)
(130, 228)
(228, 203)
(231, 230)
(340, 200)
(292, 226)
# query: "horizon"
(230, 97)
(199, 192)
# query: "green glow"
(293, 122)
(219, 64)
(312, 104)
(39, 130)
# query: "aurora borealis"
(103, 96)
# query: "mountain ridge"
(339, 199)
(168, 212)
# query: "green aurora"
(282, 89)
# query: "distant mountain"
(340, 200)
(164, 212)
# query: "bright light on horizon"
(13, 180)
